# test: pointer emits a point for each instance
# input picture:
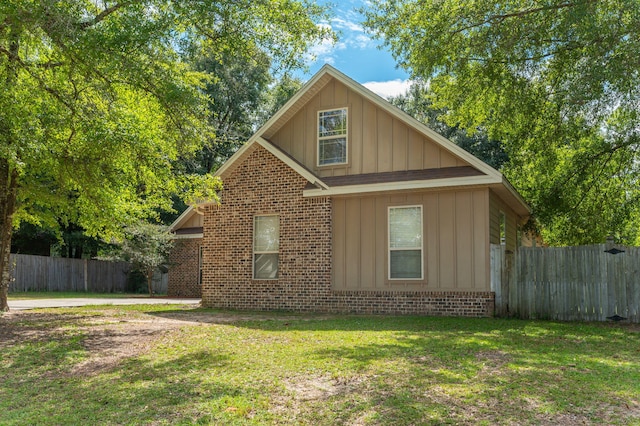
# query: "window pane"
(333, 151)
(266, 233)
(266, 266)
(406, 264)
(405, 227)
(331, 123)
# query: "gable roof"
(477, 173)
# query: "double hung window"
(266, 244)
(405, 242)
(332, 137)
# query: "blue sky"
(357, 54)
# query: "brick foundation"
(183, 269)
(262, 184)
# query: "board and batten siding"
(377, 142)
(455, 241)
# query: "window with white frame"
(266, 244)
(332, 137)
(405, 243)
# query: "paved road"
(81, 301)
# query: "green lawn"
(177, 365)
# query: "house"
(343, 203)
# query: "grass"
(26, 295)
(209, 367)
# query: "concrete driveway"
(19, 305)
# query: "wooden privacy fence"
(40, 273)
(583, 283)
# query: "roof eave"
(402, 186)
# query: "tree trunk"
(8, 190)
(150, 282)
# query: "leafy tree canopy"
(97, 101)
(146, 246)
(557, 82)
(417, 103)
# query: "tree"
(417, 103)
(146, 246)
(236, 88)
(243, 93)
(97, 102)
(557, 82)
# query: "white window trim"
(319, 138)
(389, 249)
(253, 249)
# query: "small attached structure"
(343, 203)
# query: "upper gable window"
(332, 136)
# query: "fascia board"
(289, 162)
(187, 236)
(294, 99)
(235, 157)
(186, 214)
(401, 186)
(412, 122)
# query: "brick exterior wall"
(262, 185)
(183, 269)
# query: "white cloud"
(343, 24)
(352, 33)
(387, 89)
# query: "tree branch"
(503, 17)
(104, 14)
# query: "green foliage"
(417, 103)
(557, 82)
(146, 246)
(97, 103)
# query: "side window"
(405, 242)
(503, 228)
(266, 244)
(332, 137)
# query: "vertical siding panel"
(340, 95)
(352, 246)
(339, 244)
(414, 150)
(432, 254)
(311, 134)
(327, 95)
(356, 132)
(284, 136)
(400, 146)
(385, 144)
(381, 241)
(431, 155)
(297, 139)
(464, 240)
(447, 160)
(481, 256)
(368, 243)
(446, 216)
(369, 138)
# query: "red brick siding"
(183, 269)
(262, 184)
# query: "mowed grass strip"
(178, 365)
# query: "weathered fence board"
(567, 283)
(41, 273)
